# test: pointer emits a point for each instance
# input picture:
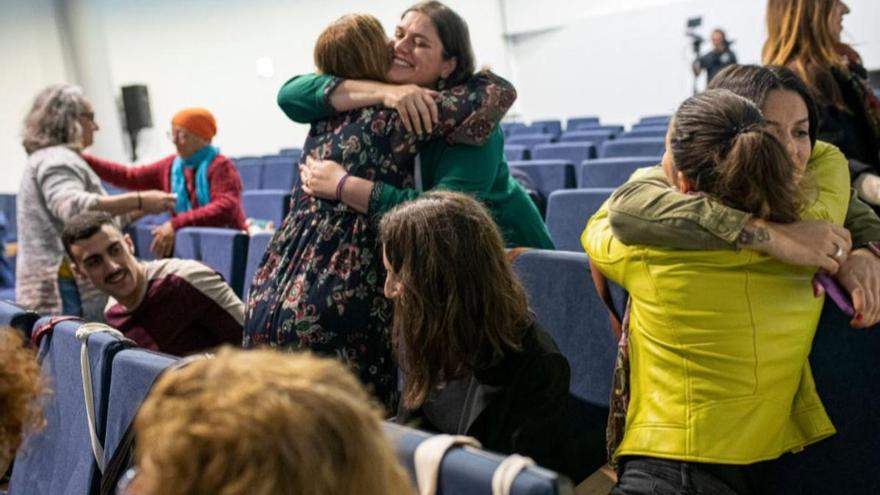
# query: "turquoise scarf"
(200, 160)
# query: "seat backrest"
(848, 381)
(8, 206)
(633, 147)
(548, 175)
(561, 293)
(516, 152)
(655, 120)
(224, 250)
(280, 172)
(611, 172)
(59, 458)
(250, 169)
(529, 140)
(18, 318)
(256, 249)
(575, 152)
(551, 126)
(580, 122)
(267, 204)
(468, 471)
(132, 375)
(295, 152)
(528, 130)
(594, 137)
(567, 214)
(646, 131)
(508, 127)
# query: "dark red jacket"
(224, 210)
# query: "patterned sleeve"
(468, 113)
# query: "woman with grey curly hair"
(56, 185)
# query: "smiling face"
(418, 52)
(107, 260)
(788, 119)
(835, 20)
(186, 142)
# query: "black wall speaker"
(136, 102)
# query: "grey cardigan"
(56, 185)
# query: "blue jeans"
(70, 302)
(648, 475)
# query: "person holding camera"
(720, 57)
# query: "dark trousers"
(648, 475)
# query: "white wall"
(202, 52)
(621, 60)
(31, 57)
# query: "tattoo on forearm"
(753, 235)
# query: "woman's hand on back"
(320, 178)
(416, 105)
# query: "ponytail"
(757, 176)
(720, 141)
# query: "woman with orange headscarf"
(207, 183)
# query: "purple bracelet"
(339, 187)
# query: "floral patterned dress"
(320, 283)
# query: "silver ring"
(839, 253)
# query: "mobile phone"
(836, 292)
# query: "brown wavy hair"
(263, 423)
(354, 47)
(21, 387)
(719, 141)
(798, 37)
(460, 307)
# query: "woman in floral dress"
(319, 285)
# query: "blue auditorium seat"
(567, 214)
(468, 471)
(528, 130)
(611, 172)
(266, 205)
(655, 120)
(280, 172)
(843, 361)
(573, 152)
(250, 168)
(633, 147)
(645, 132)
(297, 152)
(141, 236)
(8, 207)
(595, 137)
(529, 140)
(508, 127)
(516, 152)
(59, 458)
(256, 249)
(614, 128)
(224, 250)
(580, 123)
(551, 126)
(561, 294)
(18, 318)
(548, 175)
(131, 377)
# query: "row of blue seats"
(61, 459)
(554, 126)
(552, 175)
(582, 146)
(269, 172)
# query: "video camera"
(696, 40)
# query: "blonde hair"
(798, 37)
(354, 47)
(21, 385)
(261, 422)
(460, 308)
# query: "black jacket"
(526, 413)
